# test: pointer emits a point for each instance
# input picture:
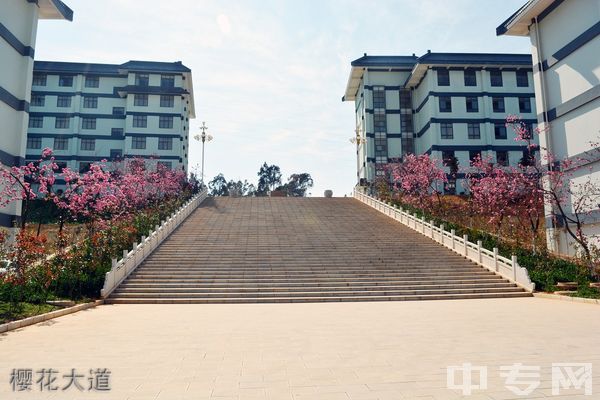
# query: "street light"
(204, 137)
(358, 140)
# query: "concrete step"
(267, 279)
(244, 284)
(315, 299)
(320, 293)
(270, 289)
(302, 250)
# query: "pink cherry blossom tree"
(506, 193)
(418, 179)
(27, 182)
(566, 186)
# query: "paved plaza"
(358, 351)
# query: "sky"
(269, 75)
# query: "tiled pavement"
(350, 351)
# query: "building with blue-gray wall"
(92, 112)
(18, 30)
(565, 43)
(452, 106)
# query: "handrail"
(490, 259)
(132, 258)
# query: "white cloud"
(224, 24)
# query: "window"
(379, 122)
(499, 131)
(495, 78)
(90, 102)
(167, 101)
(140, 121)
(116, 154)
(470, 77)
(63, 101)
(60, 166)
(524, 105)
(528, 158)
(502, 157)
(140, 100)
(445, 103)
(88, 144)
(381, 146)
(88, 123)
(378, 97)
(473, 131)
(39, 79)
(406, 122)
(165, 122)
(448, 157)
(84, 167)
(166, 164)
(446, 130)
(92, 81)
(36, 122)
(443, 77)
(116, 132)
(142, 80)
(34, 143)
(61, 143)
(138, 142)
(450, 186)
(527, 131)
(165, 143)
(38, 100)
(498, 104)
(472, 104)
(65, 80)
(522, 79)
(62, 122)
(474, 155)
(167, 81)
(405, 100)
(118, 110)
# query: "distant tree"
(218, 186)
(239, 188)
(297, 185)
(269, 177)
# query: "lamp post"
(358, 140)
(203, 137)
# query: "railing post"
(431, 228)
(125, 252)
(453, 234)
(135, 244)
(496, 259)
(143, 247)
(423, 224)
(514, 267)
(442, 227)
(479, 251)
(466, 240)
(113, 263)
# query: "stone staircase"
(255, 250)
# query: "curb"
(567, 298)
(9, 326)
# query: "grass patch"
(9, 312)
(587, 292)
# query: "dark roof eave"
(63, 9)
(503, 28)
